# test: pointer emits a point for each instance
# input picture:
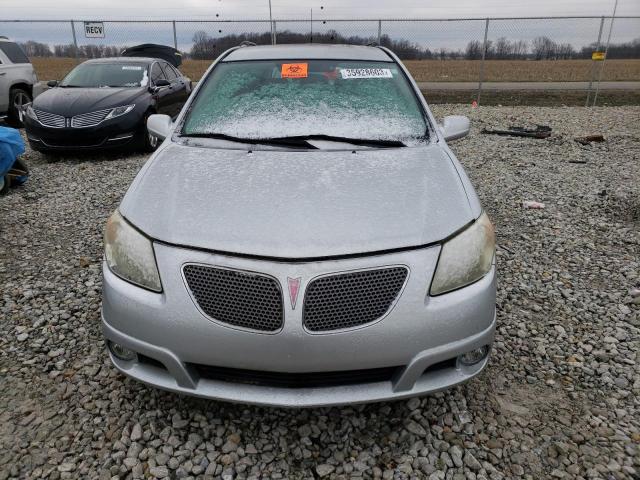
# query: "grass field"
(434, 70)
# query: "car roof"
(123, 60)
(308, 51)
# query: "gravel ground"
(559, 399)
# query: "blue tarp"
(11, 146)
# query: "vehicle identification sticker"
(366, 73)
(131, 67)
(294, 70)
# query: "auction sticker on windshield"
(294, 70)
(366, 73)
(132, 67)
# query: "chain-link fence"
(439, 52)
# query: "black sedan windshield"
(107, 75)
(277, 99)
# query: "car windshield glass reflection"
(107, 75)
(330, 98)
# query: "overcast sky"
(246, 9)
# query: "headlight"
(31, 113)
(465, 258)
(129, 254)
(119, 111)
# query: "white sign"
(366, 73)
(94, 29)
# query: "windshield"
(107, 75)
(335, 98)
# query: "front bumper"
(418, 333)
(118, 132)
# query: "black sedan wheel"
(18, 98)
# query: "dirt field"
(434, 70)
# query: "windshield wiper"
(292, 142)
(71, 86)
(363, 142)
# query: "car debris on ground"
(541, 131)
(533, 205)
(587, 140)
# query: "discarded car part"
(590, 139)
(541, 131)
(533, 205)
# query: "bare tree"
(473, 50)
(502, 49)
(543, 48)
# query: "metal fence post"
(75, 42)
(379, 32)
(606, 52)
(175, 36)
(273, 33)
(484, 54)
(593, 62)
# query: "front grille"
(295, 380)
(89, 119)
(50, 119)
(348, 300)
(239, 298)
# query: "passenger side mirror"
(162, 83)
(455, 126)
(52, 83)
(159, 126)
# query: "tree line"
(544, 48)
(205, 47)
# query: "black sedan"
(104, 103)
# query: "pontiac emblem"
(294, 289)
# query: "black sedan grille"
(50, 119)
(90, 119)
(347, 300)
(238, 298)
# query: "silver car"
(303, 236)
(18, 81)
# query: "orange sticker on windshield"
(294, 70)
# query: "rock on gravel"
(558, 400)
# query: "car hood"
(73, 101)
(292, 204)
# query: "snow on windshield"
(368, 100)
(107, 75)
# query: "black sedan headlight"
(119, 111)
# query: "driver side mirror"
(52, 83)
(162, 83)
(455, 126)
(159, 126)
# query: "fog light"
(121, 352)
(474, 356)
